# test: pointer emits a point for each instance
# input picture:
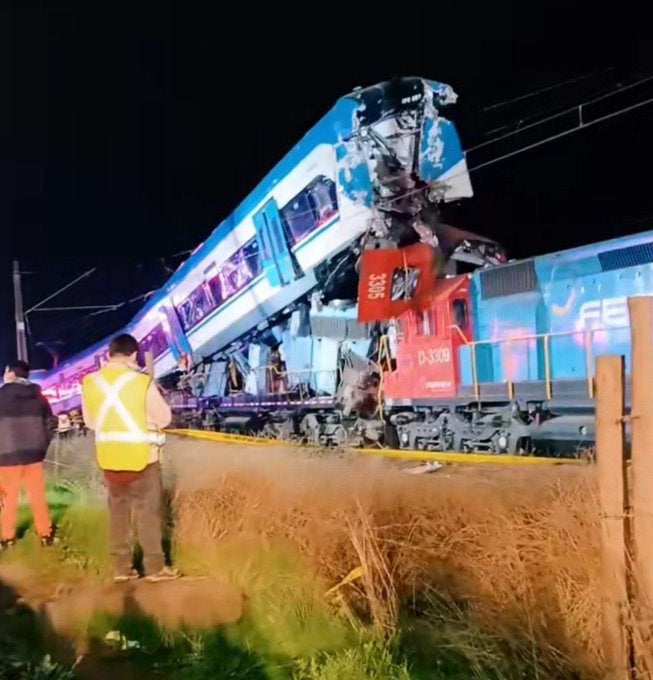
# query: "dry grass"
(516, 550)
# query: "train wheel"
(390, 436)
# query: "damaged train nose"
(402, 160)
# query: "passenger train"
(333, 306)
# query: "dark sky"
(126, 136)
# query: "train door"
(277, 260)
(177, 340)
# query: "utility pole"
(21, 339)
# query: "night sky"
(126, 137)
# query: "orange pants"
(11, 480)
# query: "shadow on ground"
(137, 630)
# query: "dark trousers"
(137, 497)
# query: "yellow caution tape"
(468, 458)
(439, 456)
(225, 437)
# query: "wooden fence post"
(611, 465)
(641, 325)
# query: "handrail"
(586, 334)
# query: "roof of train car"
(578, 252)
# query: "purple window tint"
(185, 314)
(195, 307)
(252, 257)
(235, 273)
(216, 290)
(238, 271)
(155, 342)
(201, 301)
(323, 199)
(298, 217)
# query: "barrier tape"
(468, 458)
(225, 437)
(441, 457)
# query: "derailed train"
(331, 305)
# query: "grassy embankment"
(354, 569)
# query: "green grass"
(288, 630)
(373, 659)
(80, 517)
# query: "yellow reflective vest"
(115, 397)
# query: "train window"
(155, 341)
(423, 324)
(459, 308)
(201, 301)
(251, 256)
(404, 283)
(298, 217)
(235, 273)
(323, 198)
(311, 208)
(185, 314)
(216, 290)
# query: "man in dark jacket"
(25, 432)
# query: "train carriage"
(377, 165)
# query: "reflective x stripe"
(134, 434)
(112, 400)
(131, 438)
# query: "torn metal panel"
(354, 176)
(393, 281)
(441, 158)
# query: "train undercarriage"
(494, 428)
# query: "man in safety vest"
(127, 412)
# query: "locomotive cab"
(428, 343)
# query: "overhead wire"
(559, 114)
(542, 90)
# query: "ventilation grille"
(338, 328)
(510, 280)
(632, 256)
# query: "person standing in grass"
(26, 428)
(125, 409)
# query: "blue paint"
(354, 176)
(276, 257)
(581, 302)
(441, 132)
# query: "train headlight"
(404, 437)
(583, 430)
(503, 442)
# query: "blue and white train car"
(377, 165)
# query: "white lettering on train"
(606, 313)
(376, 284)
(439, 355)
